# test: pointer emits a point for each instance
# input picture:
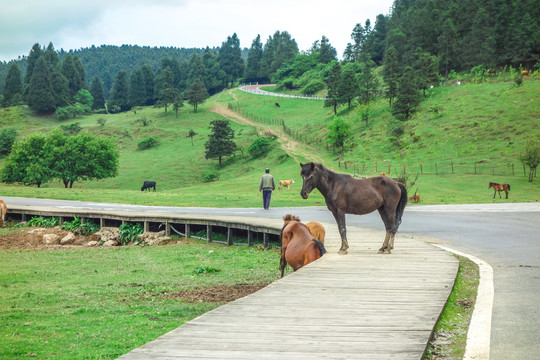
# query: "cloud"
(72, 24)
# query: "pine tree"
(327, 53)
(51, 57)
(333, 82)
(230, 58)
(119, 94)
(407, 94)
(35, 54)
(60, 86)
(96, 89)
(216, 79)
(71, 74)
(368, 86)
(12, 86)
(348, 87)
(253, 66)
(391, 73)
(81, 75)
(196, 94)
(136, 89)
(148, 76)
(169, 94)
(220, 141)
(40, 91)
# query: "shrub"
(71, 129)
(78, 228)
(129, 232)
(148, 143)
(288, 83)
(7, 139)
(205, 270)
(44, 222)
(313, 86)
(210, 175)
(261, 146)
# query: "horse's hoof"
(387, 251)
(342, 252)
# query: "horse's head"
(309, 178)
(490, 185)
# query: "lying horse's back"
(298, 248)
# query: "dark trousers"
(267, 194)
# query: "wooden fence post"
(208, 233)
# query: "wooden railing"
(254, 231)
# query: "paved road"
(504, 235)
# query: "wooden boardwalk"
(360, 306)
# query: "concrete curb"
(479, 334)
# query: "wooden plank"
(360, 306)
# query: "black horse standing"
(345, 195)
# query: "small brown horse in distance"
(298, 247)
(345, 195)
(315, 228)
(499, 188)
(3, 211)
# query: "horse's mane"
(328, 171)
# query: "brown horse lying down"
(3, 210)
(316, 229)
(298, 247)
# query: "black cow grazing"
(148, 185)
(277, 104)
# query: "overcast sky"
(74, 24)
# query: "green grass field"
(460, 139)
(101, 303)
(66, 312)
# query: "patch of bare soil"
(32, 238)
(221, 293)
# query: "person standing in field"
(267, 185)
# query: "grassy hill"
(457, 131)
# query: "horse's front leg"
(340, 220)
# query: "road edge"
(479, 333)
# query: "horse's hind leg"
(391, 229)
(282, 262)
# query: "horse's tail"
(508, 187)
(401, 205)
(320, 245)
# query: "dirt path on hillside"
(293, 148)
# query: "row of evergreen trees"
(455, 35)
(50, 84)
